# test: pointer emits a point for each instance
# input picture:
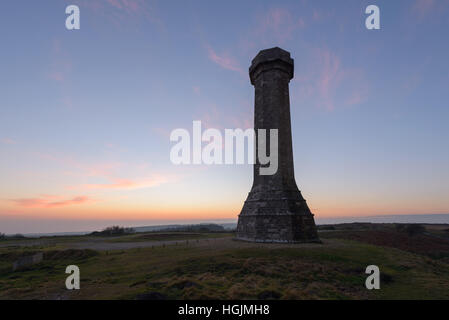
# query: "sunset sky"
(86, 115)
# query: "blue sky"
(85, 115)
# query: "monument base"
(277, 228)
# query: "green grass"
(226, 269)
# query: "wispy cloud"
(126, 184)
(327, 83)
(49, 202)
(329, 77)
(219, 117)
(111, 174)
(425, 9)
(162, 132)
(79, 167)
(7, 141)
(280, 24)
(60, 71)
(196, 89)
(61, 63)
(131, 6)
(415, 76)
(56, 75)
(120, 12)
(273, 27)
(224, 60)
(355, 98)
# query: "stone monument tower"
(275, 210)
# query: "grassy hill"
(213, 266)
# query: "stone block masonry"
(275, 210)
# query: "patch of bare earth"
(421, 244)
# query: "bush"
(414, 229)
(113, 231)
(326, 227)
(2, 236)
(16, 236)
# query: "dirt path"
(97, 245)
(225, 242)
(103, 244)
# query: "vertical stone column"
(275, 210)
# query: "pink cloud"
(329, 78)
(212, 115)
(223, 60)
(57, 76)
(273, 27)
(277, 26)
(80, 168)
(411, 82)
(316, 15)
(128, 5)
(414, 76)
(115, 3)
(126, 184)
(8, 141)
(422, 9)
(48, 202)
(120, 12)
(102, 169)
(131, 6)
(423, 6)
(355, 98)
(326, 83)
(196, 89)
(162, 132)
(59, 71)
(244, 122)
(61, 65)
(281, 23)
(50, 196)
(109, 172)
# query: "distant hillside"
(211, 227)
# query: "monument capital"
(269, 59)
